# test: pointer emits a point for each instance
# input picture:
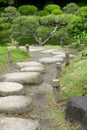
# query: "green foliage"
(1, 9)
(57, 11)
(51, 7)
(71, 8)
(21, 25)
(83, 11)
(54, 19)
(27, 9)
(74, 79)
(84, 52)
(77, 25)
(23, 40)
(9, 2)
(17, 55)
(42, 13)
(10, 12)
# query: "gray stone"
(18, 124)
(76, 108)
(49, 51)
(28, 64)
(59, 53)
(33, 69)
(15, 104)
(84, 123)
(10, 88)
(23, 77)
(49, 60)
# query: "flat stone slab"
(48, 51)
(63, 56)
(50, 60)
(76, 108)
(15, 104)
(18, 124)
(23, 77)
(33, 69)
(10, 88)
(59, 53)
(28, 64)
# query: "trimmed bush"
(42, 13)
(57, 11)
(51, 7)
(83, 11)
(71, 8)
(27, 9)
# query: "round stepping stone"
(18, 124)
(48, 51)
(33, 69)
(59, 56)
(49, 60)
(28, 64)
(10, 88)
(23, 77)
(15, 104)
(59, 53)
(63, 55)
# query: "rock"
(84, 123)
(76, 108)
(59, 53)
(28, 64)
(10, 88)
(59, 56)
(18, 124)
(23, 77)
(33, 69)
(15, 104)
(48, 51)
(49, 60)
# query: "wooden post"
(17, 46)
(12, 41)
(9, 56)
(56, 90)
(58, 67)
(82, 46)
(27, 49)
(67, 58)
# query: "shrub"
(83, 11)
(42, 13)
(27, 9)
(51, 7)
(57, 11)
(71, 8)
(10, 12)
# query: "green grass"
(74, 79)
(17, 55)
(56, 115)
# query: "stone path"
(38, 78)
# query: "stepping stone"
(48, 51)
(10, 88)
(59, 53)
(49, 60)
(28, 64)
(59, 56)
(33, 69)
(15, 104)
(18, 124)
(23, 77)
(76, 108)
